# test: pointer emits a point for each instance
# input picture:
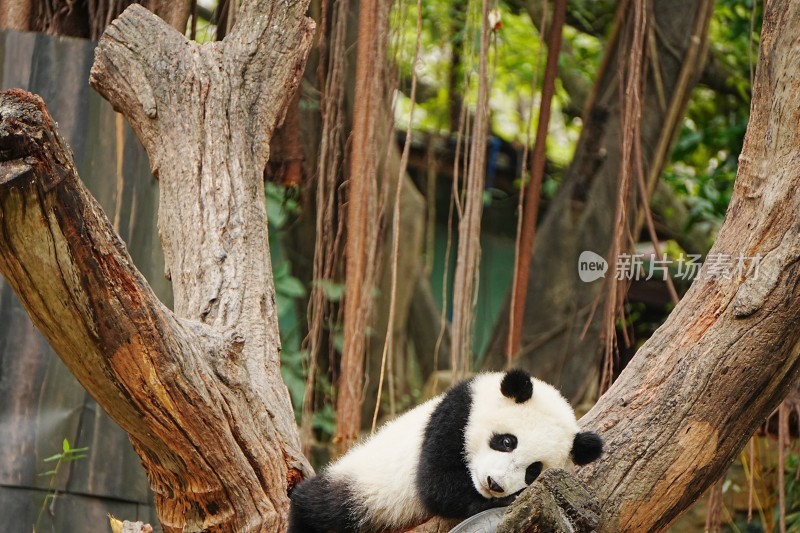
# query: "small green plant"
(67, 455)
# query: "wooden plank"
(71, 513)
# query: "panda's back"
(382, 471)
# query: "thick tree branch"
(74, 276)
(730, 351)
(223, 102)
(78, 283)
(170, 88)
(557, 501)
(199, 390)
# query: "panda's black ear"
(587, 447)
(517, 385)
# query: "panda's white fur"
(385, 467)
(442, 458)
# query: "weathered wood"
(79, 286)
(199, 391)
(730, 351)
(556, 502)
(41, 401)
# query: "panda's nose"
(493, 486)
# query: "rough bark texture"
(694, 393)
(558, 501)
(16, 15)
(198, 390)
(40, 400)
(554, 344)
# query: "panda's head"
(517, 427)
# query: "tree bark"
(198, 390)
(730, 352)
(558, 501)
(362, 218)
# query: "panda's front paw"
(484, 504)
(506, 500)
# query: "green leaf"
(333, 291)
(291, 287)
(280, 271)
(78, 450)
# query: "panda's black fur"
(443, 480)
(436, 459)
(321, 504)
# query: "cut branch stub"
(556, 502)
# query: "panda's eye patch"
(532, 472)
(503, 443)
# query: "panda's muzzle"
(493, 485)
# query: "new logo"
(591, 266)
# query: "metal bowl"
(483, 522)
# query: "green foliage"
(333, 291)
(288, 290)
(324, 421)
(705, 158)
(67, 454)
(451, 27)
(704, 162)
(280, 205)
(792, 487)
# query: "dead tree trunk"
(730, 351)
(198, 389)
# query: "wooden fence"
(41, 404)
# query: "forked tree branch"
(199, 390)
(61, 256)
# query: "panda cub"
(475, 447)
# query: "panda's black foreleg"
(481, 504)
(449, 493)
